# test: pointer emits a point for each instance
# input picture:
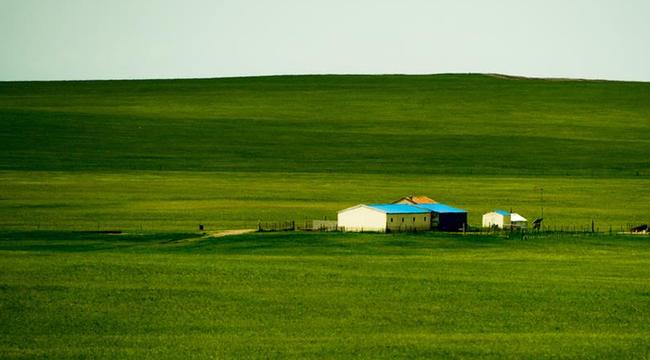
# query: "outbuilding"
(497, 218)
(504, 220)
(384, 218)
(517, 221)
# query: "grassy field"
(168, 155)
(445, 124)
(157, 158)
(179, 201)
(74, 295)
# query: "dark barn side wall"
(451, 221)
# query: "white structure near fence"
(496, 218)
(384, 218)
(517, 221)
(504, 220)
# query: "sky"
(137, 39)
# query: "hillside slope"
(170, 154)
(444, 124)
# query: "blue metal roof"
(399, 209)
(502, 212)
(441, 208)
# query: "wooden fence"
(264, 226)
(320, 225)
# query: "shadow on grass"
(296, 243)
(80, 241)
(299, 243)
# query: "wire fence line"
(313, 225)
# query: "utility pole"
(541, 198)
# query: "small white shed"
(504, 220)
(518, 222)
(384, 218)
(499, 218)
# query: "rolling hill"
(156, 158)
(120, 152)
(445, 124)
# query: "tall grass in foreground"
(323, 295)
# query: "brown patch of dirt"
(223, 233)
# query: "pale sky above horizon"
(128, 39)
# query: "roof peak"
(416, 199)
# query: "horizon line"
(487, 74)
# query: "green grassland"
(166, 155)
(358, 124)
(179, 201)
(75, 295)
(157, 158)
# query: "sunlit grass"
(180, 201)
(323, 295)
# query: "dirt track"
(223, 233)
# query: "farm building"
(445, 217)
(414, 200)
(401, 217)
(384, 218)
(517, 221)
(504, 220)
(497, 218)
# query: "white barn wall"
(362, 218)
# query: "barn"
(445, 217)
(384, 218)
(497, 218)
(414, 200)
(402, 217)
